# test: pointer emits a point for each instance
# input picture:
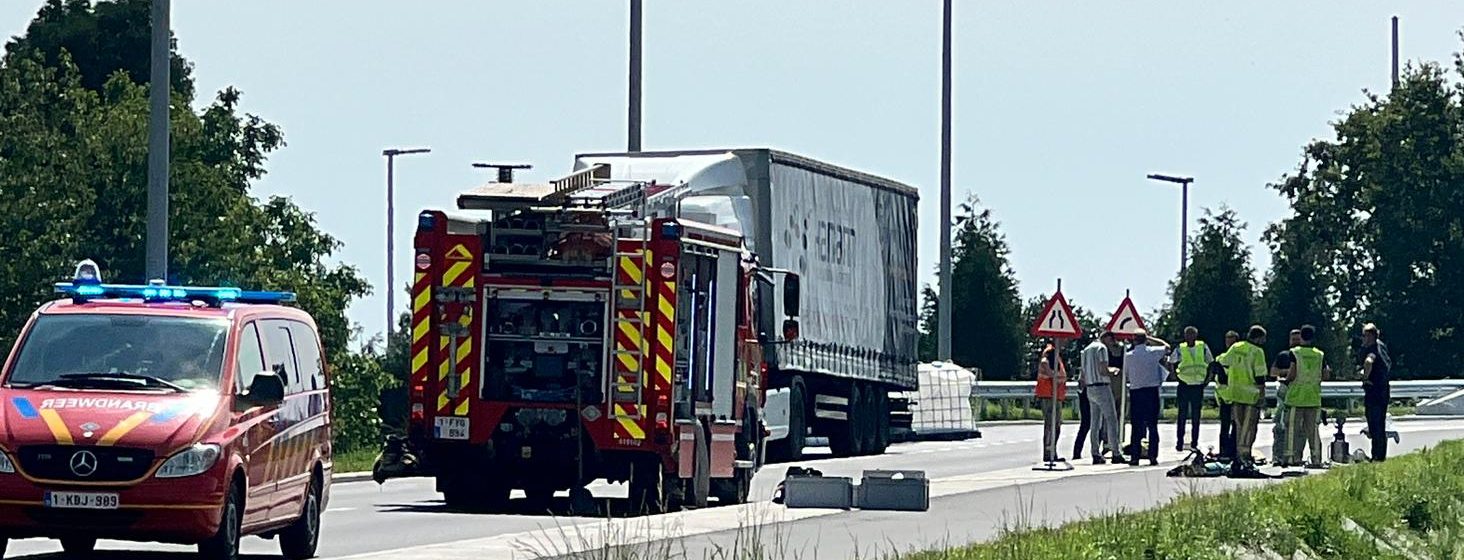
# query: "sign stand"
(1125, 323)
(1058, 322)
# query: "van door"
(305, 414)
(279, 350)
(258, 442)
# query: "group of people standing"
(1112, 374)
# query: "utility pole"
(391, 288)
(1184, 182)
(633, 124)
(943, 344)
(1395, 51)
(160, 90)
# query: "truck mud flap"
(724, 449)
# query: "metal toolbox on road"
(894, 491)
(829, 492)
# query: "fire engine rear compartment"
(575, 385)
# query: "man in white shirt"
(1097, 376)
(1145, 373)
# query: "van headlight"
(188, 462)
(6, 467)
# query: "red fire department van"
(161, 413)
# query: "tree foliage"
(1378, 219)
(986, 308)
(73, 180)
(1216, 292)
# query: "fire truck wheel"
(540, 498)
(78, 547)
(701, 478)
(4, 543)
(847, 440)
(735, 490)
(648, 487)
(582, 502)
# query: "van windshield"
(128, 352)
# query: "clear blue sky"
(1060, 108)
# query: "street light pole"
(160, 91)
(943, 309)
(391, 155)
(1184, 183)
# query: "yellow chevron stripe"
(629, 362)
(419, 361)
(419, 331)
(58, 428)
(665, 307)
(124, 427)
(663, 336)
(628, 265)
(469, 282)
(457, 269)
(629, 331)
(462, 408)
(442, 401)
(630, 426)
(465, 347)
(423, 296)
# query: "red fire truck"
(561, 333)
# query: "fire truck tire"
(540, 498)
(847, 440)
(648, 488)
(4, 543)
(78, 547)
(730, 491)
(582, 502)
(701, 478)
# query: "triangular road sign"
(1057, 320)
(1126, 321)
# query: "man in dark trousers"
(1376, 367)
(1145, 372)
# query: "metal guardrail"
(1402, 389)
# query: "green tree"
(101, 38)
(1296, 295)
(73, 174)
(986, 308)
(1216, 292)
(1378, 208)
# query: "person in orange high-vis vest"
(1051, 391)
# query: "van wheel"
(78, 547)
(224, 545)
(302, 538)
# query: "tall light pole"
(156, 253)
(1184, 183)
(391, 154)
(943, 310)
(633, 118)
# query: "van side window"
(249, 359)
(280, 352)
(307, 353)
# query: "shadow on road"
(134, 555)
(560, 507)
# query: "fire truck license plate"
(81, 500)
(451, 427)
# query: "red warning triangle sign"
(1057, 320)
(1126, 321)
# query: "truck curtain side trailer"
(850, 237)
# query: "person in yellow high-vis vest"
(1222, 397)
(1304, 398)
(1245, 385)
(1191, 360)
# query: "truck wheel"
(541, 498)
(731, 491)
(302, 538)
(701, 478)
(869, 419)
(848, 440)
(647, 487)
(470, 496)
(4, 543)
(790, 448)
(882, 422)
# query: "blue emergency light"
(88, 285)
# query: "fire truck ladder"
(628, 289)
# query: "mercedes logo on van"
(84, 463)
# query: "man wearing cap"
(1280, 368)
(1376, 366)
(1098, 376)
(1143, 368)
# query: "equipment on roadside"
(1340, 451)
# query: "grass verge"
(1410, 507)
(360, 460)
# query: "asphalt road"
(973, 490)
